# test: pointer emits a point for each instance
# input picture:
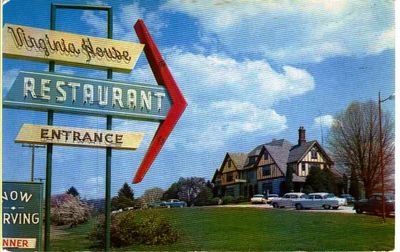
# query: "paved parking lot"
(343, 209)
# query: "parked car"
(374, 204)
(325, 195)
(258, 199)
(174, 203)
(156, 204)
(287, 200)
(316, 200)
(270, 197)
(348, 197)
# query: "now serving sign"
(22, 215)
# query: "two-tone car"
(174, 203)
(287, 200)
(325, 195)
(316, 201)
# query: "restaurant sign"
(44, 134)
(70, 94)
(68, 48)
(22, 216)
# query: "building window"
(314, 154)
(252, 160)
(229, 177)
(303, 170)
(229, 163)
(265, 155)
(267, 188)
(266, 170)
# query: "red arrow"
(163, 77)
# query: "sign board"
(68, 48)
(22, 216)
(44, 134)
(70, 94)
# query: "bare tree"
(354, 139)
(152, 194)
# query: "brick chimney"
(302, 136)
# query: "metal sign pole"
(108, 152)
(50, 114)
(49, 153)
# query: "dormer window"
(252, 160)
(314, 154)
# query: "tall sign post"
(109, 127)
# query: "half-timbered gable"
(230, 168)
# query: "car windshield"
(258, 196)
(330, 195)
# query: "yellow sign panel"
(68, 48)
(22, 243)
(44, 134)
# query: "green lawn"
(259, 229)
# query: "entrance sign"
(22, 216)
(68, 48)
(44, 134)
(70, 94)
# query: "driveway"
(342, 209)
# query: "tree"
(126, 191)
(124, 199)
(186, 189)
(189, 189)
(172, 192)
(289, 179)
(355, 142)
(152, 194)
(321, 181)
(67, 209)
(204, 197)
(72, 190)
(354, 189)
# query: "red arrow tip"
(163, 77)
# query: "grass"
(258, 229)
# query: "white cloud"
(93, 187)
(123, 23)
(228, 98)
(294, 31)
(324, 120)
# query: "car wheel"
(326, 207)
(335, 207)
(275, 205)
(298, 206)
(359, 211)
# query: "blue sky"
(250, 72)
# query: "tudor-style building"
(263, 170)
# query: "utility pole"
(381, 162)
(33, 146)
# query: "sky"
(250, 72)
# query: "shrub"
(240, 199)
(215, 201)
(228, 200)
(129, 227)
(68, 210)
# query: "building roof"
(297, 152)
(238, 159)
(279, 154)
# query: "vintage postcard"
(184, 125)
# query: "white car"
(324, 195)
(316, 200)
(258, 198)
(288, 200)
